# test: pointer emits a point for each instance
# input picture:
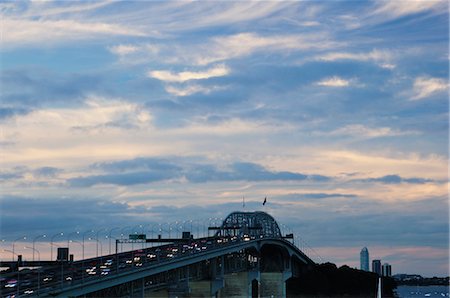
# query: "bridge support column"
(217, 275)
(254, 284)
(272, 284)
(236, 285)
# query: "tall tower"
(376, 266)
(386, 269)
(364, 259)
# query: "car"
(10, 285)
(108, 262)
(28, 292)
(69, 278)
(47, 279)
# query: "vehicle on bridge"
(246, 256)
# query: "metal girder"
(258, 224)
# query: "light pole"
(82, 260)
(109, 236)
(68, 237)
(34, 241)
(14, 242)
(34, 250)
(98, 241)
(84, 235)
(13, 253)
(122, 234)
(51, 244)
(18, 269)
(39, 269)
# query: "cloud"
(46, 172)
(55, 214)
(192, 89)
(314, 196)
(8, 112)
(361, 131)
(243, 44)
(167, 76)
(219, 49)
(395, 179)
(24, 32)
(149, 170)
(24, 89)
(427, 86)
(334, 82)
(47, 8)
(123, 179)
(396, 9)
(124, 49)
(10, 176)
(383, 58)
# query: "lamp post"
(82, 260)
(51, 244)
(34, 242)
(18, 269)
(109, 237)
(34, 250)
(98, 241)
(84, 235)
(13, 253)
(74, 241)
(38, 270)
(14, 242)
(68, 237)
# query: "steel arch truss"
(253, 224)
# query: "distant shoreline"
(417, 280)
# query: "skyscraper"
(376, 266)
(364, 259)
(386, 269)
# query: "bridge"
(247, 256)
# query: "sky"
(120, 114)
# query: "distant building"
(386, 269)
(376, 266)
(364, 259)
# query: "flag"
(265, 201)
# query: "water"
(422, 291)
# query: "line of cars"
(97, 267)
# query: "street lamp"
(51, 244)
(82, 260)
(84, 235)
(34, 240)
(18, 269)
(98, 242)
(13, 253)
(39, 269)
(68, 236)
(14, 242)
(109, 237)
(96, 238)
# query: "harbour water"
(422, 291)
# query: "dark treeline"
(417, 280)
(326, 280)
